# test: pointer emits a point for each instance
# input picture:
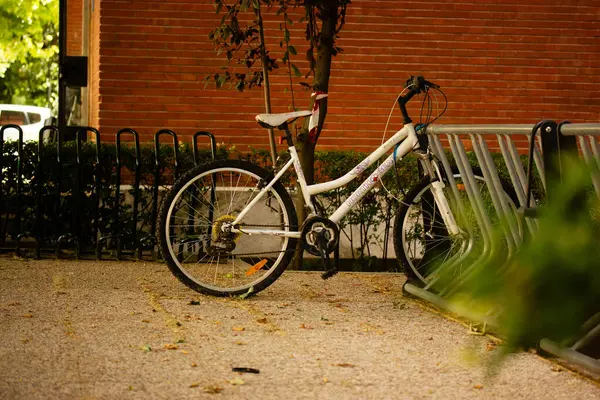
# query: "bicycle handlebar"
(417, 84)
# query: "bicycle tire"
(420, 268)
(192, 212)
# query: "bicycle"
(230, 228)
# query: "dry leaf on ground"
(171, 346)
(237, 381)
(213, 389)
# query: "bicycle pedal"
(329, 273)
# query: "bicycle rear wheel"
(421, 240)
(207, 259)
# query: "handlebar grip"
(420, 83)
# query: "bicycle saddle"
(276, 120)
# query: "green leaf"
(286, 35)
(292, 50)
(296, 70)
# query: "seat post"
(288, 135)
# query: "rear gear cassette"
(314, 226)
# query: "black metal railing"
(72, 195)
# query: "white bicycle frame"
(406, 135)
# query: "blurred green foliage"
(552, 284)
(29, 52)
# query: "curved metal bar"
(19, 168)
(213, 194)
(136, 184)
(213, 145)
(38, 187)
(150, 238)
(74, 235)
(537, 127)
(97, 182)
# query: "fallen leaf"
(256, 267)
(262, 321)
(194, 303)
(195, 384)
(147, 321)
(146, 347)
(344, 365)
(213, 389)
(325, 380)
(171, 346)
(305, 326)
(491, 346)
(237, 381)
(184, 352)
(478, 387)
(193, 365)
(238, 328)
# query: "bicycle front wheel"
(210, 259)
(421, 239)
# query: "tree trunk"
(266, 83)
(306, 149)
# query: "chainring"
(314, 225)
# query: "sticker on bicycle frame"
(256, 267)
(360, 168)
(299, 170)
(369, 183)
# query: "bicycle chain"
(262, 253)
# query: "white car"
(31, 119)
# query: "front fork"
(432, 170)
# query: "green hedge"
(57, 209)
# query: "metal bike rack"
(547, 136)
(587, 136)
(19, 173)
(74, 235)
(149, 240)
(480, 138)
(37, 233)
(116, 231)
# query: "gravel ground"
(121, 330)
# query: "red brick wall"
(74, 27)
(516, 61)
(94, 64)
